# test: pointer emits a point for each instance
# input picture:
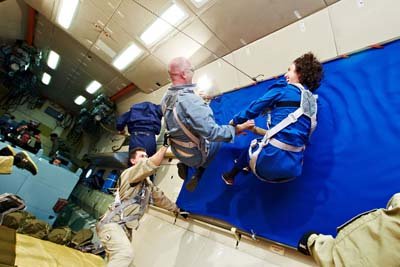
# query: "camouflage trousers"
(117, 245)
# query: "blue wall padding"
(352, 163)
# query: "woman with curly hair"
(291, 110)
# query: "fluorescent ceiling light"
(46, 78)
(199, 3)
(127, 57)
(93, 87)
(89, 172)
(172, 16)
(52, 60)
(80, 100)
(66, 12)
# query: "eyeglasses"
(179, 73)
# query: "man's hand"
(23, 127)
(248, 125)
(166, 140)
(37, 138)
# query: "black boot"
(7, 151)
(194, 180)
(23, 161)
(229, 177)
(182, 170)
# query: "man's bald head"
(180, 70)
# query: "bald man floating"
(195, 136)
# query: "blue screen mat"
(351, 164)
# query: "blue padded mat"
(351, 164)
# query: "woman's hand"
(248, 125)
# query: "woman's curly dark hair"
(309, 70)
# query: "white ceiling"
(212, 31)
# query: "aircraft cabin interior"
(218, 133)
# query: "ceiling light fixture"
(46, 78)
(93, 87)
(162, 26)
(199, 3)
(52, 59)
(66, 12)
(80, 100)
(127, 57)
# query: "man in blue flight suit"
(195, 136)
(144, 123)
(291, 109)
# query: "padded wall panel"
(356, 26)
(40, 192)
(189, 244)
(272, 54)
(167, 178)
(224, 76)
(351, 164)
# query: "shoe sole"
(11, 151)
(182, 171)
(192, 184)
(31, 161)
(226, 181)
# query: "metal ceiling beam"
(127, 89)
(31, 25)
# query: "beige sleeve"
(321, 248)
(162, 201)
(142, 169)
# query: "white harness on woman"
(308, 107)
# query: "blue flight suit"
(198, 118)
(7, 124)
(144, 123)
(274, 164)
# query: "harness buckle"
(253, 143)
(264, 144)
(292, 117)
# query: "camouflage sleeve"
(137, 173)
(321, 248)
(162, 201)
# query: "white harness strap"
(306, 99)
(142, 198)
(276, 143)
(291, 118)
(185, 130)
(313, 119)
(195, 141)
